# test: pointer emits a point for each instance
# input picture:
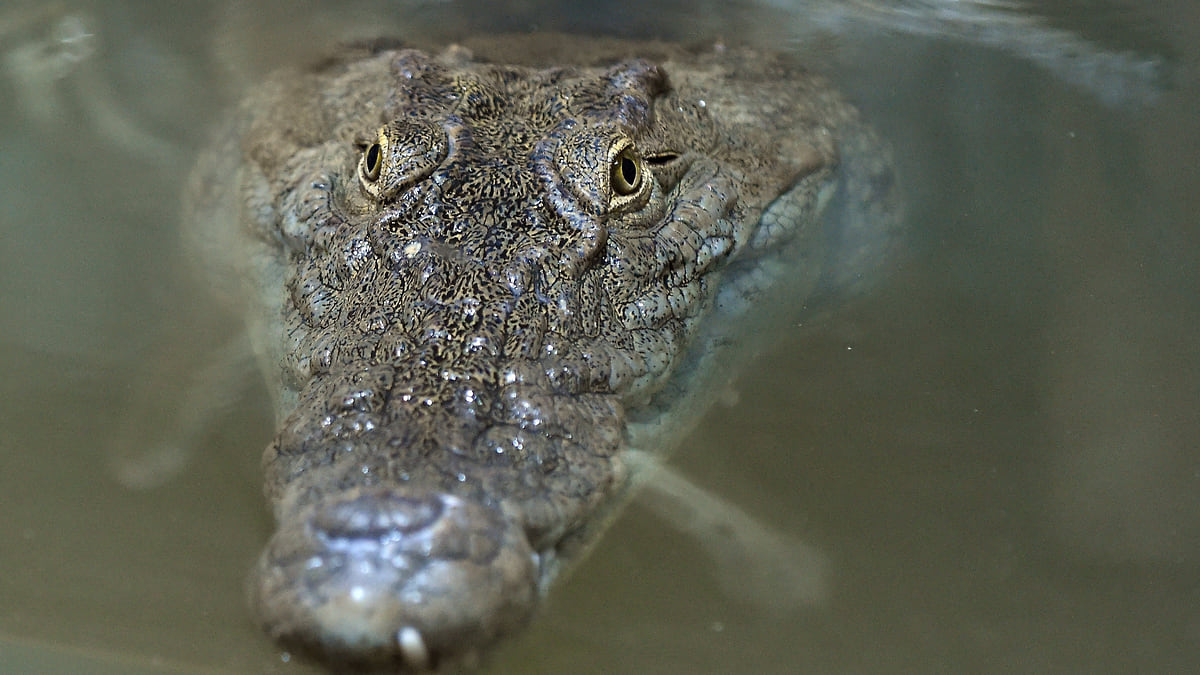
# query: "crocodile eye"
(626, 173)
(372, 163)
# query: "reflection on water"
(996, 450)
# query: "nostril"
(379, 578)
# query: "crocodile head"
(467, 275)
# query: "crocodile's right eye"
(372, 163)
(404, 152)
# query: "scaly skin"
(465, 276)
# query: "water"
(996, 449)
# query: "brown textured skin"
(462, 276)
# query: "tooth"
(412, 645)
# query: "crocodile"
(482, 279)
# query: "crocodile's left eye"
(372, 162)
(627, 172)
(629, 179)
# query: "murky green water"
(997, 449)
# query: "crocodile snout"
(384, 579)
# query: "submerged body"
(478, 288)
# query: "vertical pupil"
(629, 171)
(373, 160)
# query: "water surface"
(996, 448)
